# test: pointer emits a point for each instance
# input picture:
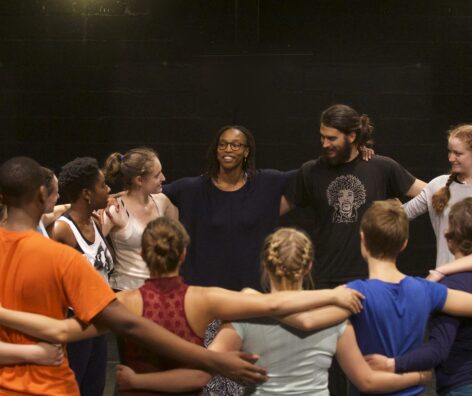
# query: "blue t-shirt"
(395, 315)
(227, 228)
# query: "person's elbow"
(306, 324)
(118, 319)
(366, 385)
(201, 378)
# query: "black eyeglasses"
(234, 146)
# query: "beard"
(341, 156)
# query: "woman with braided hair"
(442, 192)
(184, 310)
(297, 361)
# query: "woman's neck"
(81, 213)
(465, 178)
(230, 180)
(171, 274)
(138, 196)
(274, 288)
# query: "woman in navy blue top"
(228, 212)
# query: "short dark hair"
(249, 166)
(346, 120)
(20, 179)
(76, 175)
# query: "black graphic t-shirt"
(339, 196)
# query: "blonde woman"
(182, 309)
(141, 173)
(297, 361)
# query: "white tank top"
(97, 253)
(130, 269)
(41, 229)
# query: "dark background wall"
(88, 77)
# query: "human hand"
(47, 354)
(435, 275)
(239, 367)
(380, 362)
(124, 377)
(116, 214)
(348, 298)
(366, 152)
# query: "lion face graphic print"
(345, 195)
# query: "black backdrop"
(87, 77)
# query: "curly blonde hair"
(286, 258)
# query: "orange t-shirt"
(45, 277)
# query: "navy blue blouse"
(227, 228)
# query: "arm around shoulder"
(364, 378)
(417, 186)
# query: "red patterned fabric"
(163, 303)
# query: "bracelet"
(420, 381)
(432, 271)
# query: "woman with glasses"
(228, 211)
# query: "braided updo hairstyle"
(286, 258)
(163, 243)
(442, 196)
(460, 226)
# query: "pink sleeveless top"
(163, 303)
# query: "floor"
(113, 360)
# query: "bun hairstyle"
(163, 243)
(441, 197)
(286, 258)
(460, 226)
(124, 167)
(346, 120)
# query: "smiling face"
(151, 182)
(336, 146)
(460, 157)
(231, 149)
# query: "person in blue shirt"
(396, 306)
(449, 349)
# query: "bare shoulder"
(161, 199)
(63, 233)
(132, 300)
(166, 207)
